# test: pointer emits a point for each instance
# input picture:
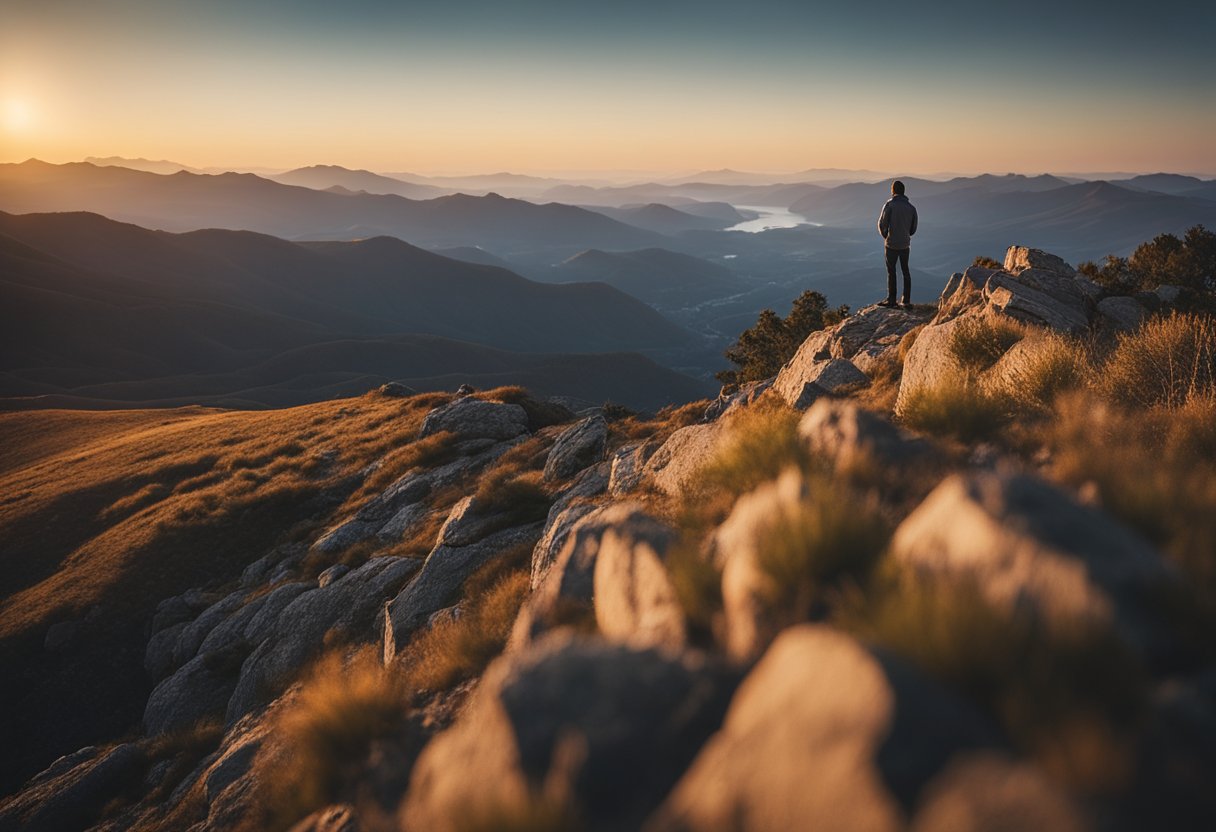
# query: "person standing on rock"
(897, 224)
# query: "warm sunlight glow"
(18, 115)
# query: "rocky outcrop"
(1122, 314)
(823, 734)
(469, 418)
(349, 606)
(579, 446)
(629, 466)
(635, 600)
(849, 437)
(588, 729)
(569, 507)
(675, 465)
(199, 689)
(440, 579)
(803, 380)
(71, 793)
(1031, 549)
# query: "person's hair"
(897, 188)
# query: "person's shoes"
(890, 304)
(906, 304)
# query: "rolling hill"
(109, 312)
(322, 177)
(185, 201)
(657, 276)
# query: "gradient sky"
(616, 84)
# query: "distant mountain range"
(663, 219)
(101, 311)
(659, 277)
(323, 177)
(185, 201)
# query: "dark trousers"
(901, 255)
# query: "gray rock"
(350, 605)
(629, 466)
(193, 693)
(677, 461)
(1020, 258)
(72, 798)
(396, 390)
(401, 522)
(963, 291)
(735, 546)
(470, 418)
(1168, 294)
(849, 437)
(635, 601)
(800, 384)
(822, 734)
(929, 362)
(1123, 314)
(194, 633)
(179, 609)
(158, 656)
(745, 396)
(439, 582)
(602, 729)
(1032, 549)
(466, 524)
(570, 506)
(579, 446)
(1009, 296)
(332, 574)
(260, 625)
(871, 325)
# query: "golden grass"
(344, 708)
(957, 407)
(1071, 699)
(1168, 361)
(663, 424)
(977, 343)
(759, 443)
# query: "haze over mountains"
(343, 296)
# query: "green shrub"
(762, 348)
(1189, 262)
(1168, 361)
(977, 343)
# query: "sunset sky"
(549, 86)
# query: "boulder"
(1024, 301)
(678, 460)
(848, 436)
(1020, 258)
(466, 524)
(1031, 549)
(1168, 294)
(332, 574)
(396, 390)
(735, 546)
(439, 581)
(158, 655)
(199, 689)
(1122, 314)
(341, 818)
(872, 325)
(470, 418)
(73, 796)
(801, 382)
(823, 734)
(404, 520)
(579, 446)
(569, 506)
(628, 466)
(350, 605)
(1011, 371)
(987, 792)
(635, 600)
(746, 395)
(963, 291)
(929, 362)
(194, 633)
(261, 624)
(603, 731)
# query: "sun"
(17, 114)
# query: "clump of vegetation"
(345, 707)
(977, 343)
(760, 442)
(1189, 263)
(632, 426)
(761, 349)
(1070, 698)
(987, 262)
(1168, 361)
(185, 747)
(541, 414)
(832, 539)
(697, 582)
(1056, 366)
(957, 407)
(1152, 469)
(459, 647)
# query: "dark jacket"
(897, 222)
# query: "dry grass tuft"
(959, 408)
(1073, 700)
(759, 443)
(1166, 362)
(977, 343)
(344, 709)
(632, 427)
